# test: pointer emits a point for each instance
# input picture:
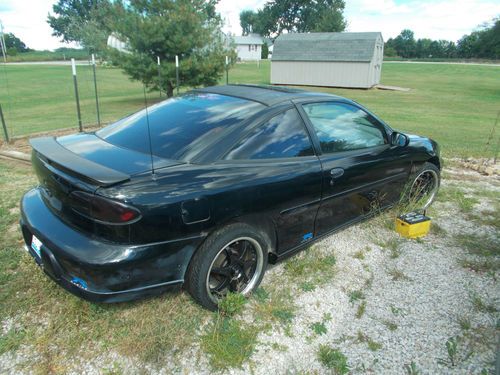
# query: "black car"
(206, 189)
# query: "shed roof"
(248, 39)
(355, 47)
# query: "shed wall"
(322, 73)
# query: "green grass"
(228, 343)
(449, 103)
(333, 359)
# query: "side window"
(283, 136)
(344, 127)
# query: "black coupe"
(204, 190)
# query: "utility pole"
(4, 48)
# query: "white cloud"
(27, 19)
(439, 19)
(436, 19)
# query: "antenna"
(149, 131)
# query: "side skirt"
(273, 258)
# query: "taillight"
(102, 209)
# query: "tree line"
(483, 43)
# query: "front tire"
(425, 185)
(232, 259)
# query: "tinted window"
(180, 127)
(284, 136)
(343, 127)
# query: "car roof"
(265, 94)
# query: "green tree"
(405, 44)
(166, 28)
(278, 16)
(247, 21)
(83, 21)
(14, 45)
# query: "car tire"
(429, 173)
(221, 260)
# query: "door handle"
(335, 173)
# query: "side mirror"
(399, 139)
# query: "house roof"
(249, 39)
(325, 47)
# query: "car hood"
(91, 147)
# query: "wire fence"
(41, 97)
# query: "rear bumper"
(97, 270)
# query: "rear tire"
(232, 259)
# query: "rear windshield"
(180, 127)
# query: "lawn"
(47, 330)
(454, 104)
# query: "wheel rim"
(236, 268)
(424, 188)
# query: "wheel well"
(435, 160)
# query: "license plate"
(36, 245)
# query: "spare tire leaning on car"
(232, 259)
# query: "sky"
(435, 19)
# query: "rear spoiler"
(55, 154)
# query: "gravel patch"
(415, 301)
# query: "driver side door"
(362, 171)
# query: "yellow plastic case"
(413, 225)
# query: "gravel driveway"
(389, 305)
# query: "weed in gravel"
(361, 310)
(372, 344)
(482, 306)
(11, 340)
(393, 245)
(232, 304)
(359, 255)
(464, 322)
(438, 230)
(261, 294)
(457, 196)
(477, 244)
(397, 275)
(356, 295)
(333, 359)
(391, 326)
(452, 350)
(319, 328)
(228, 343)
(307, 286)
(311, 266)
(489, 265)
(397, 311)
(277, 307)
(411, 369)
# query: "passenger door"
(286, 176)
(362, 171)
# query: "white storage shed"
(328, 59)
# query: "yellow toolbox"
(413, 225)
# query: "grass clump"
(311, 267)
(11, 340)
(372, 344)
(361, 310)
(397, 275)
(356, 295)
(477, 244)
(333, 359)
(228, 344)
(232, 304)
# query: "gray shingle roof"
(249, 39)
(325, 47)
